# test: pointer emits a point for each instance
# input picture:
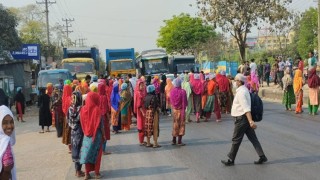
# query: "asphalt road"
(290, 141)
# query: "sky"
(113, 24)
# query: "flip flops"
(156, 146)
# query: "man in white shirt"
(253, 66)
(241, 111)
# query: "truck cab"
(52, 76)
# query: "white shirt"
(253, 67)
(133, 82)
(242, 102)
(281, 65)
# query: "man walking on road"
(241, 110)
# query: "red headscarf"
(103, 98)
(90, 115)
(139, 95)
(223, 83)
(197, 87)
(66, 98)
(313, 79)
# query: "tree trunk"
(242, 51)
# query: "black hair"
(266, 60)
(87, 77)
(130, 75)
(252, 60)
(311, 52)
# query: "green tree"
(307, 32)
(9, 39)
(183, 34)
(238, 16)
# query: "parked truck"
(81, 61)
(120, 61)
(153, 62)
(180, 64)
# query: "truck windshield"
(155, 66)
(184, 67)
(121, 65)
(45, 78)
(78, 67)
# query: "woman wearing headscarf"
(49, 92)
(211, 89)
(187, 87)
(56, 107)
(130, 89)
(197, 89)
(45, 118)
(288, 96)
(179, 103)
(125, 100)
(105, 118)
(115, 101)
(151, 105)
(313, 83)
(204, 96)
(168, 89)
(7, 140)
(20, 101)
(139, 98)
(148, 81)
(92, 126)
(223, 84)
(73, 117)
(297, 88)
(66, 102)
(163, 94)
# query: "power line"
(68, 21)
(46, 2)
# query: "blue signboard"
(28, 51)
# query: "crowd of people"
(82, 112)
(290, 77)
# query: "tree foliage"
(307, 32)
(239, 16)
(183, 34)
(9, 39)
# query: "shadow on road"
(300, 160)
(166, 145)
(141, 171)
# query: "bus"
(180, 64)
(153, 62)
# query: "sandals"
(41, 132)
(87, 177)
(181, 144)
(107, 153)
(143, 144)
(173, 143)
(156, 146)
(99, 176)
(149, 145)
(80, 174)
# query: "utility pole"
(67, 27)
(81, 44)
(47, 3)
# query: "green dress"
(288, 96)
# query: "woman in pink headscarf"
(179, 103)
(140, 93)
(197, 89)
(104, 112)
(253, 83)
